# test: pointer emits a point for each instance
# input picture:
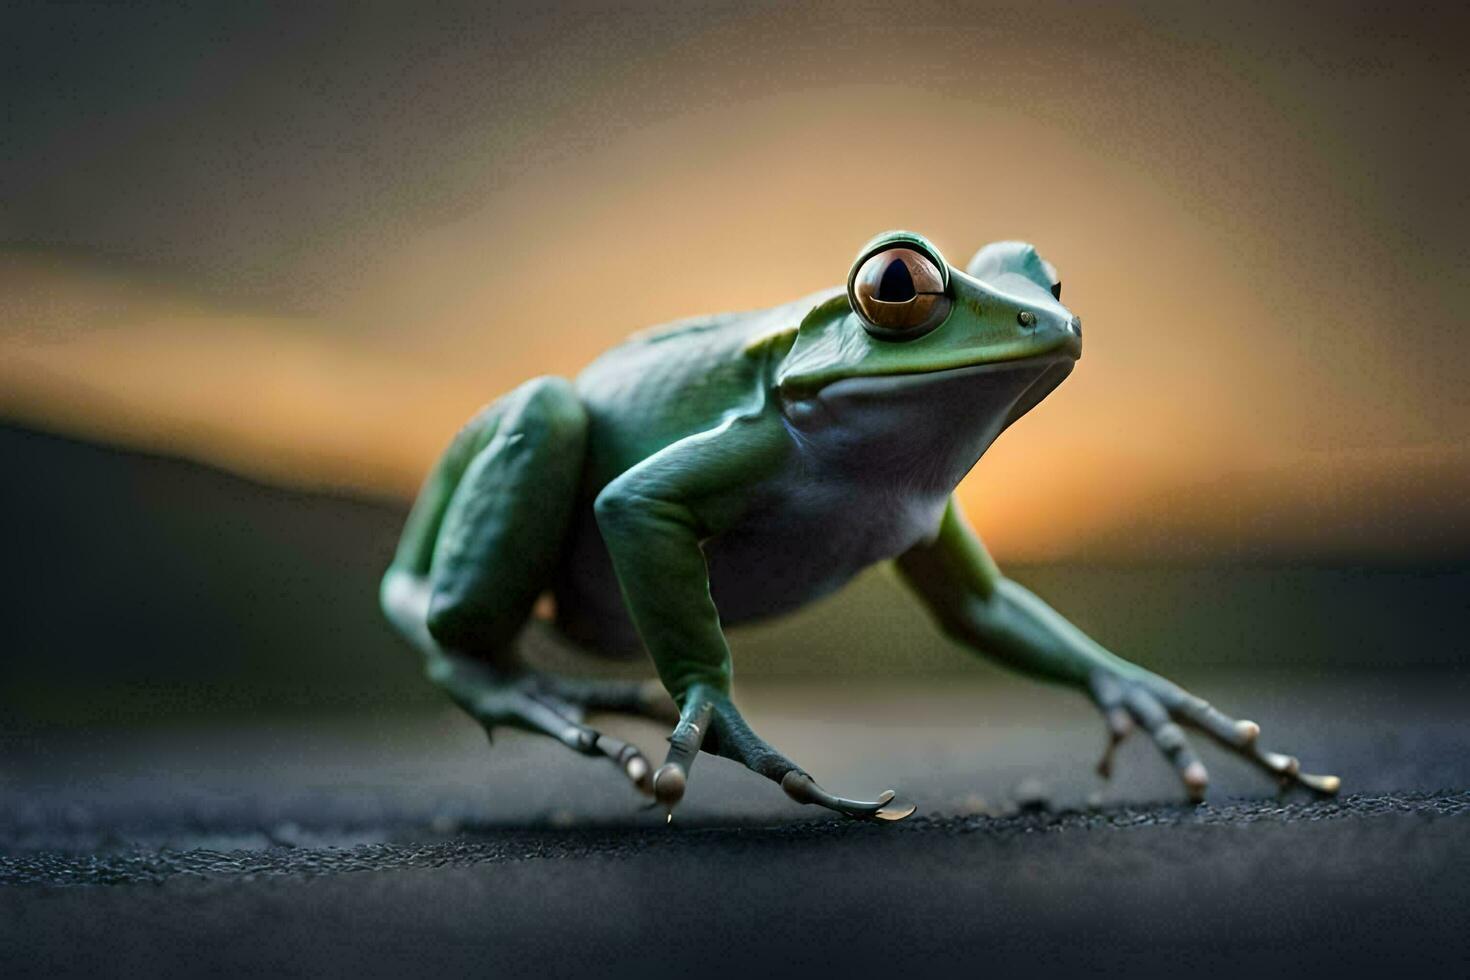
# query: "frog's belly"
(817, 537)
(800, 543)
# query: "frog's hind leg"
(479, 547)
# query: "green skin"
(735, 467)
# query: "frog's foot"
(710, 720)
(548, 705)
(1159, 707)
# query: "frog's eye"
(899, 293)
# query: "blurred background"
(257, 264)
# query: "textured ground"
(402, 844)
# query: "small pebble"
(974, 805)
(1032, 796)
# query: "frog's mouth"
(1000, 390)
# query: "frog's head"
(915, 347)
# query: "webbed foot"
(1159, 706)
(710, 720)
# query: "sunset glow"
(1274, 351)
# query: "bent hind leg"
(479, 547)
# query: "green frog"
(735, 467)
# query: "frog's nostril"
(1077, 326)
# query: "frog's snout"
(1065, 331)
(1069, 331)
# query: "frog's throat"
(925, 428)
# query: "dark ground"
(215, 759)
(404, 845)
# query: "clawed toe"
(1196, 780)
(636, 768)
(1244, 737)
(626, 757)
(709, 714)
(893, 814)
(803, 789)
(1155, 704)
(669, 784)
(1288, 769)
(1326, 785)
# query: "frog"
(732, 468)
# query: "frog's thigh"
(505, 524)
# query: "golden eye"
(900, 292)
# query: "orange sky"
(1271, 280)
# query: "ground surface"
(404, 844)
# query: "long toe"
(1243, 737)
(804, 789)
(672, 778)
(627, 758)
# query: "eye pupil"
(899, 290)
(897, 283)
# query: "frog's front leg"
(975, 604)
(653, 519)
